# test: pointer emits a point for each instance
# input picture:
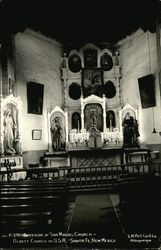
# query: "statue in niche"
(95, 140)
(110, 120)
(130, 131)
(93, 118)
(57, 134)
(64, 64)
(117, 58)
(9, 133)
(76, 121)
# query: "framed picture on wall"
(35, 93)
(36, 134)
(147, 91)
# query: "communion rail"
(86, 177)
(109, 176)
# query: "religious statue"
(76, 121)
(110, 120)
(93, 118)
(64, 64)
(57, 133)
(9, 128)
(130, 131)
(95, 140)
(117, 58)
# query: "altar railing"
(89, 177)
(108, 176)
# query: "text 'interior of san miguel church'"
(80, 129)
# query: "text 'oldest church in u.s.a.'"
(80, 116)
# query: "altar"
(92, 143)
(96, 158)
(93, 126)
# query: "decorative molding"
(129, 107)
(106, 51)
(92, 99)
(11, 99)
(74, 51)
(57, 109)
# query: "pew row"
(33, 205)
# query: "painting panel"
(90, 58)
(92, 82)
(147, 91)
(35, 92)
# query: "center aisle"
(94, 214)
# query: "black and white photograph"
(80, 125)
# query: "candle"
(78, 126)
(110, 124)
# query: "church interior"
(80, 134)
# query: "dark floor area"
(95, 220)
(108, 225)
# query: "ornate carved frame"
(57, 109)
(16, 101)
(124, 110)
(93, 99)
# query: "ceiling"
(80, 21)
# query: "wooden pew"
(33, 205)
